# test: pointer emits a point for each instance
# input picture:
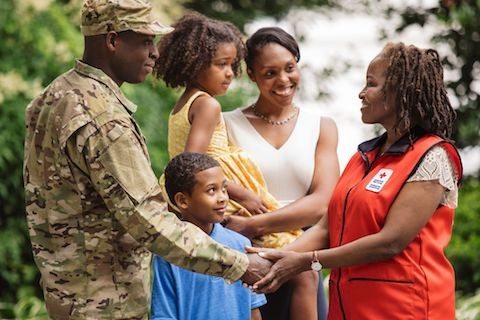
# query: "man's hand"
(287, 264)
(257, 269)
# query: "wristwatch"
(316, 265)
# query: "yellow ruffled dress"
(236, 165)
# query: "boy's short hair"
(181, 170)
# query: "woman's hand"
(241, 225)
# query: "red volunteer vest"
(418, 283)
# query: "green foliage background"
(40, 40)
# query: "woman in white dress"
(295, 148)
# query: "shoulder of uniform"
(91, 105)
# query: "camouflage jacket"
(93, 204)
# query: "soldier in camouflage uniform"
(93, 203)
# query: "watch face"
(316, 266)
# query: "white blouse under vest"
(288, 170)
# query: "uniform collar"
(100, 76)
(399, 147)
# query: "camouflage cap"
(102, 16)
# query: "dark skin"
(277, 76)
(129, 57)
(205, 114)
(406, 217)
(124, 56)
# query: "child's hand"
(252, 202)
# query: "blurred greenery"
(463, 247)
(41, 39)
(468, 307)
(240, 12)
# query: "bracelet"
(315, 265)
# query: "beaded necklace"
(274, 122)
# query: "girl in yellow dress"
(204, 55)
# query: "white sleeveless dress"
(288, 170)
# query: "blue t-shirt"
(185, 295)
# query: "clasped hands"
(270, 268)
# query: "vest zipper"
(368, 164)
(344, 317)
(366, 161)
(367, 169)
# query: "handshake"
(269, 269)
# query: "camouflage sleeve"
(116, 157)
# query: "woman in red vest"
(391, 214)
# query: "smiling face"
(207, 202)
(216, 78)
(134, 57)
(276, 74)
(376, 107)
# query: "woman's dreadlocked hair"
(191, 46)
(415, 77)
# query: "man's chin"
(140, 79)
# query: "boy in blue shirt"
(196, 185)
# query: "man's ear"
(250, 75)
(181, 200)
(111, 40)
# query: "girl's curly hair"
(415, 78)
(191, 46)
